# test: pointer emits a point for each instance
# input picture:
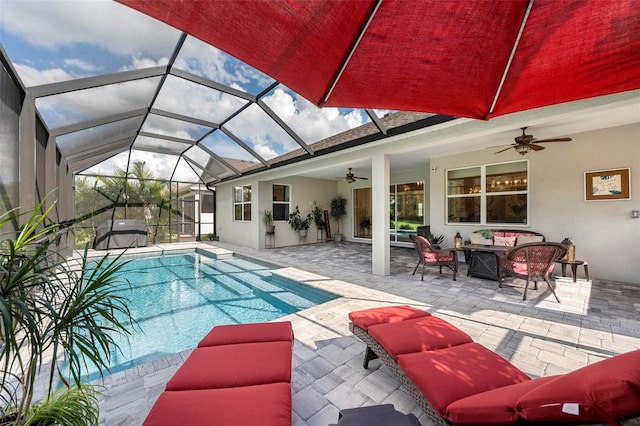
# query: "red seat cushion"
(603, 391)
(494, 407)
(388, 314)
(265, 405)
(418, 334)
(229, 366)
(248, 333)
(447, 375)
(438, 257)
(521, 268)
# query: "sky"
(58, 40)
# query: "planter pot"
(337, 237)
(303, 233)
(271, 229)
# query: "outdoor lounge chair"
(428, 255)
(531, 262)
(224, 380)
(464, 383)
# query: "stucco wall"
(305, 192)
(604, 233)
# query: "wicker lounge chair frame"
(375, 350)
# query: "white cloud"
(160, 165)
(102, 101)
(200, 58)
(82, 65)
(307, 120)
(265, 151)
(33, 77)
(117, 28)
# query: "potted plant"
(435, 241)
(298, 223)
(318, 217)
(338, 211)
(53, 310)
(487, 234)
(267, 219)
(365, 224)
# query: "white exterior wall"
(305, 192)
(604, 233)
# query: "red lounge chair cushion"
(603, 391)
(494, 407)
(248, 333)
(388, 314)
(417, 335)
(447, 375)
(265, 405)
(234, 365)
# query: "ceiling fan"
(350, 177)
(525, 143)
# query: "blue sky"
(57, 40)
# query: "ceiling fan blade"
(552, 140)
(506, 149)
(536, 147)
(358, 177)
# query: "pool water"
(177, 299)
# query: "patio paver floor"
(595, 320)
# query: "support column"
(69, 185)
(381, 248)
(27, 156)
(51, 178)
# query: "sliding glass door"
(406, 211)
(362, 213)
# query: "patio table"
(483, 260)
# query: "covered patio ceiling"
(114, 86)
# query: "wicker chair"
(531, 262)
(427, 255)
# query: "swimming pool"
(177, 299)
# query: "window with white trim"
(492, 194)
(281, 202)
(242, 203)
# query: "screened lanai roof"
(114, 86)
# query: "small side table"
(379, 415)
(574, 268)
(269, 240)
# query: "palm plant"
(52, 310)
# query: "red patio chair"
(531, 262)
(430, 256)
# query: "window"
(242, 203)
(489, 194)
(206, 204)
(281, 201)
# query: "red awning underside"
(437, 56)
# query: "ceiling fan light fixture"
(522, 149)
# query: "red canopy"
(477, 58)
